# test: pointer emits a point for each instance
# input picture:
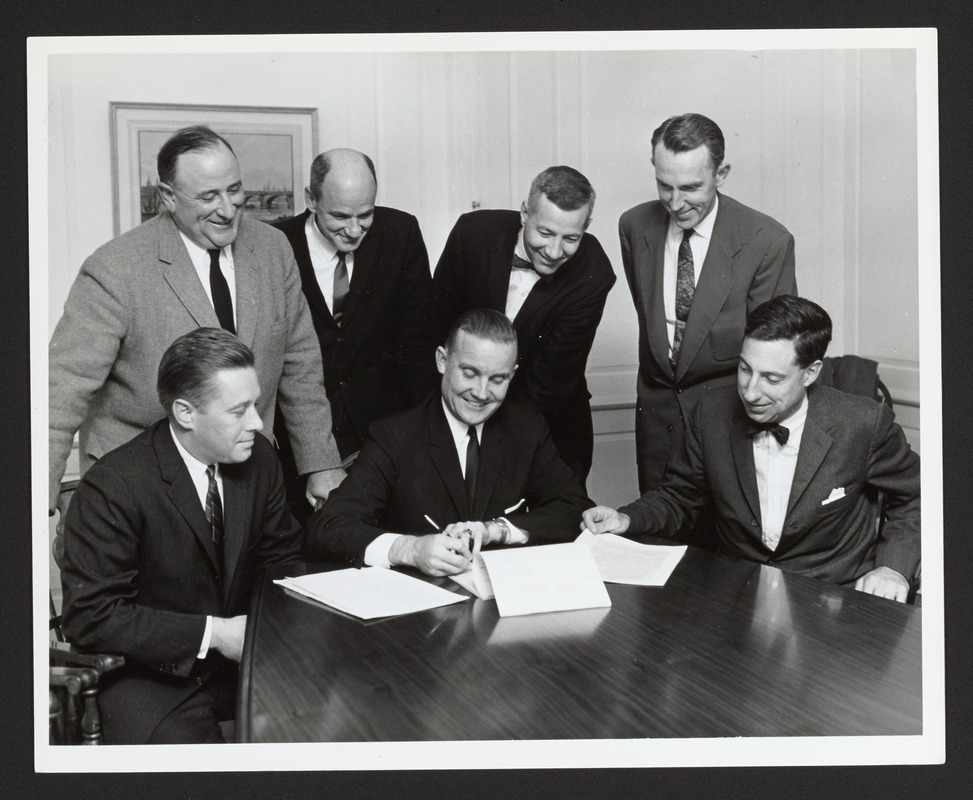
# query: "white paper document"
(621, 560)
(530, 580)
(371, 592)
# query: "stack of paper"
(371, 592)
(624, 561)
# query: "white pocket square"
(836, 494)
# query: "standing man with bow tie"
(200, 262)
(697, 262)
(551, 279)
(792, 469)
(365, 274)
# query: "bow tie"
(521, 263)
(778, 431)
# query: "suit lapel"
(245, 268)
(491, 462)
(361, 275)
(716, 278)
(181, 275)
(816, 441)
(649, 274)
(182, 492)
(444, 457)
(741, 445)
(309, 281)
(498, 268)
(236, 501)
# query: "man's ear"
(168, 195)
(441, 359)
(309, 199)
(811, 372)
(721, 173)
(523, 213)
(184, 414)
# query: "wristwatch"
(504, 529)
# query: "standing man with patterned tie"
(163, 541)
(697, 262)
(200, 262)
(365, 274)
(551, 279)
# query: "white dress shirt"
(521, 282)
(197, 471)
(377, 552)
(699, 244)
(324, 259)
(775, 474)
(200, 259)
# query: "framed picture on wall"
(274, 146)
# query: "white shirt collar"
(460, 429)
(705, 226)
(200, 256)
(326, 246)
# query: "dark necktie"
(340, 288)
(214, 513)
(472, 465)
(221, 292)
(778, 431)
(685, 286)
(521, 263)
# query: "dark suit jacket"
(849, 443)
(750, 259)
(382, 359)
(555, 327)
(134, 296)
(409, 468)
(140, 573)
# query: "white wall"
(823, 140)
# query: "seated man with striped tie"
(162, 542)
(792, 468)
(461, 471)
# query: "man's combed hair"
(567, 188)
(186, 140)
(483, 323)
(795, 319)
(687, 132)
(190, 363)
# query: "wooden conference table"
(725, 648)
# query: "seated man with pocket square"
(462, 470)
(792, 469)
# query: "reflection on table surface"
(726, 648)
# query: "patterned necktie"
(221, 292)
(685, 286)
(340, 289)
(472, 465)
(214, 513)
(778, 431)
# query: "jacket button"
(753, 523)
(162, 667)
(668, 428)
(198, 680)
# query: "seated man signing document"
(461, 471)
(789, 466)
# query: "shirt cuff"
(207, 635)
(517, 536)
(377, 553)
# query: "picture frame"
(275, 147)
